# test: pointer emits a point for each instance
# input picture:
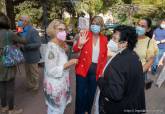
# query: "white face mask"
(113, 46)
(162, 26)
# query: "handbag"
(11, 54)
(148, 82)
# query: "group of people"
(120, 80)
(110, 75)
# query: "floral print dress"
(56, 80)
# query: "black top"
(150, 33)
(122, 87)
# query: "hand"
(73, 61)
(83, 38)
(157, 42)
(70, 63)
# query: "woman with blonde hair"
(56, 74)
(92, 46)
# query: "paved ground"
(33, 103)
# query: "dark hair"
(148, 20)
(4, 21)
(127, 33)
(99, 20)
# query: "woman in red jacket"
(92, 46)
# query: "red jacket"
(85, 58)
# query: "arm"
(112, 85)
(148, 64)
(150, 55)
(160, 42)
(76, 47)
(18, 39)
(52, 68)
(81, 41)
(36, 41)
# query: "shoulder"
(157, 30)
(153, 40)
(104, 38)
(127, 56)
(34, 30)
(150, 40)
(51, 45)
(147, 38)
(12, 34)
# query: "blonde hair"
(98, 19)
(52, 26)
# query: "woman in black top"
(122, 84)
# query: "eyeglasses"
(143, 26)
(95, 24)
(122, 42)
(115, 37)
(61, 29)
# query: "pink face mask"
(61, 35)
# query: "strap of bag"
(7, 40)
(147, 48)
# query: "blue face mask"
(140, 31)
(95, 29)
(20, 23)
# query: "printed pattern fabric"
(56, 81)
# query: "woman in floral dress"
(56, 75)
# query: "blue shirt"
(25, 31)
(31, 49)
(160, 35)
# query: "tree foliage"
(32, 9)
(2, 5)
(124, 10)
(93, 7)
(154, 9)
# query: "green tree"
(32, 9)
(127, 1)
(93, 7)
(2, 5)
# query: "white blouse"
(95, 52)
(56, 79)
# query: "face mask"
(113, 46)
(95, 29)
(162, 26)
(20, 24)
(61, 36)
(140, 31)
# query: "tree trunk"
(10, 12)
